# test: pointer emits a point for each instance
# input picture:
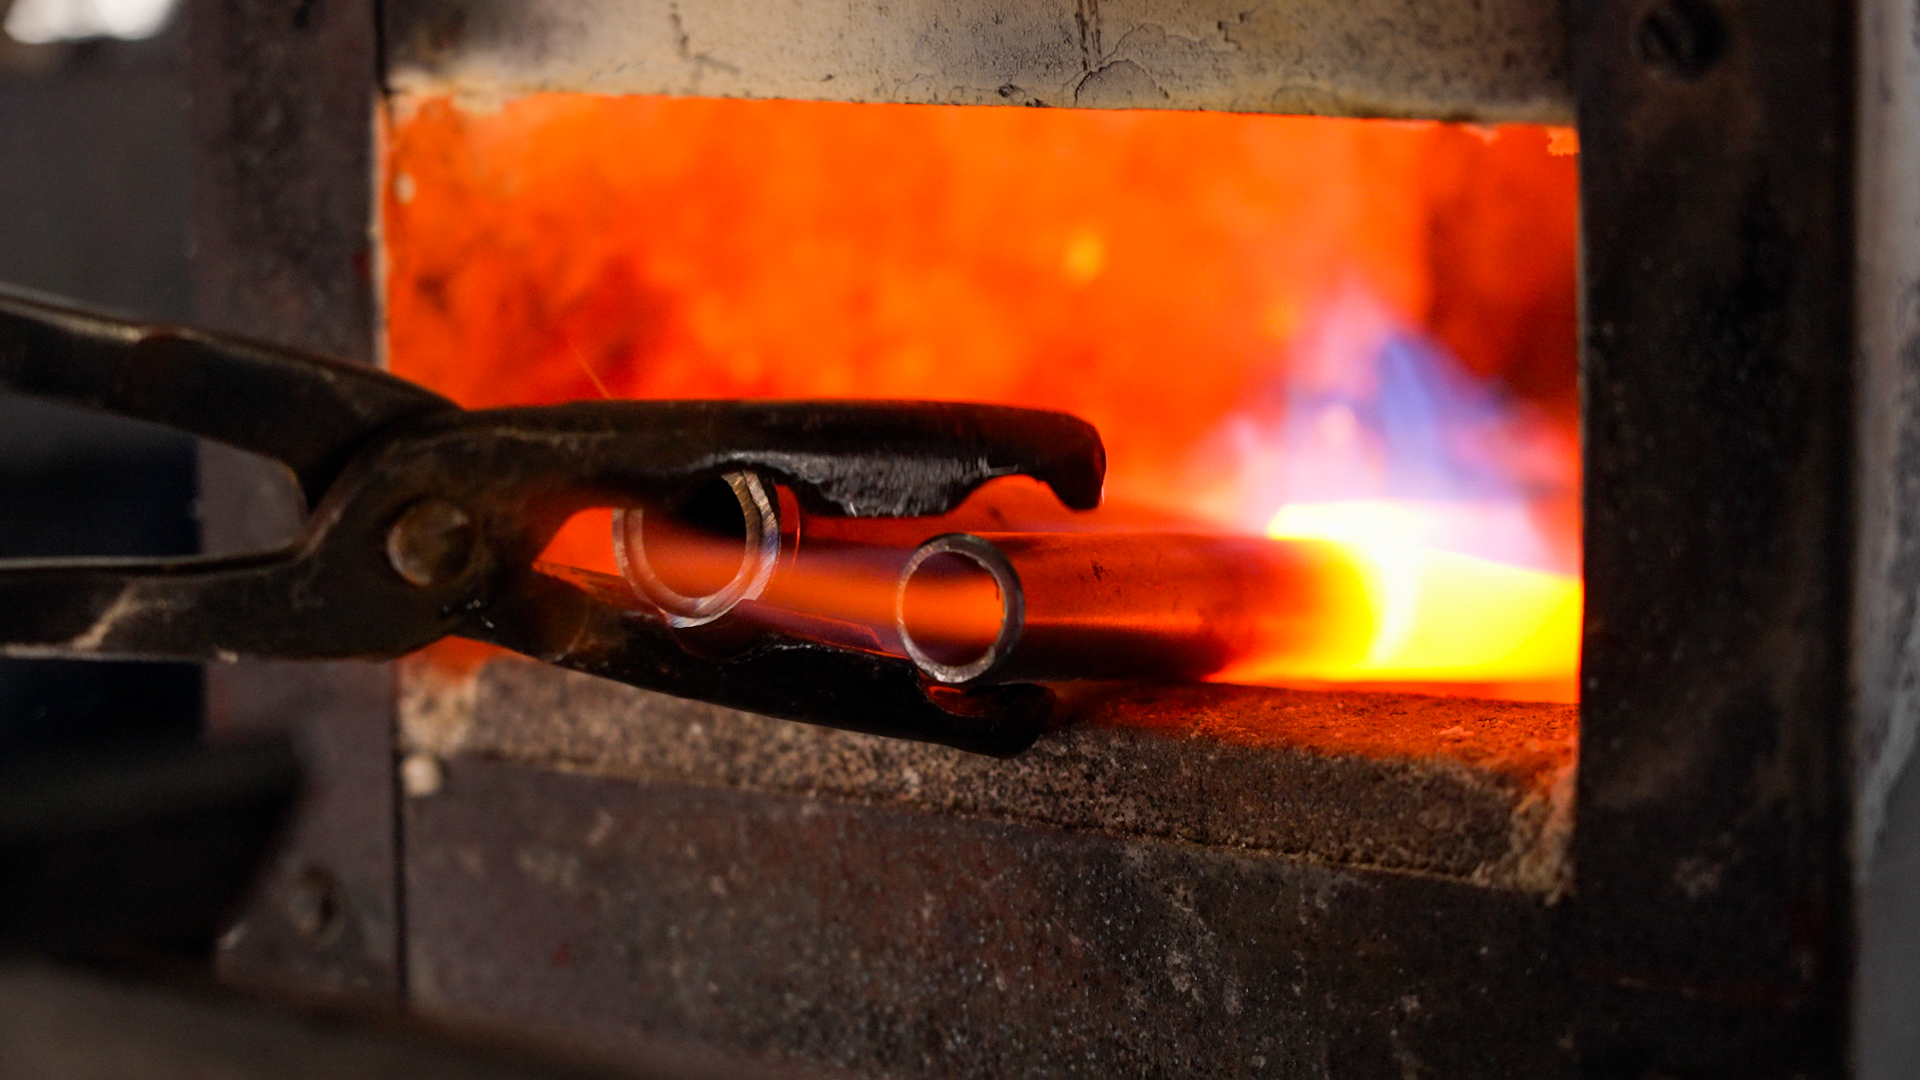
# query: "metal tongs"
(425, 520)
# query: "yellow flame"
(1440, 616)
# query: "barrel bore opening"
(698, 557)
(953, 614)
(699, 546)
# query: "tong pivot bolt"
(432, 542)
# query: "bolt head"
(432, 543)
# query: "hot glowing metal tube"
(1045, 606)
(1443, 617)
(732, 555)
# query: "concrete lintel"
(1489, 60)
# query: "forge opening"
(1354, 333)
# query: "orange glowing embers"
(1357, 332)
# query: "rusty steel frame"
(1745, 823)
(282, 103)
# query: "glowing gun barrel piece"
(1047, 606)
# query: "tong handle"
(308, 412)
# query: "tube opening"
(699, 546)
(958, 608)
(699, 557)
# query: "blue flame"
(1368, 407)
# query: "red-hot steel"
(1156, 606)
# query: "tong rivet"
(432, 543)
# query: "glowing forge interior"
(1361, 331)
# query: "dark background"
(94, 205)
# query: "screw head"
(1682, 38)
(432, 543)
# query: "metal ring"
(1012, 603)
(760, 552)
